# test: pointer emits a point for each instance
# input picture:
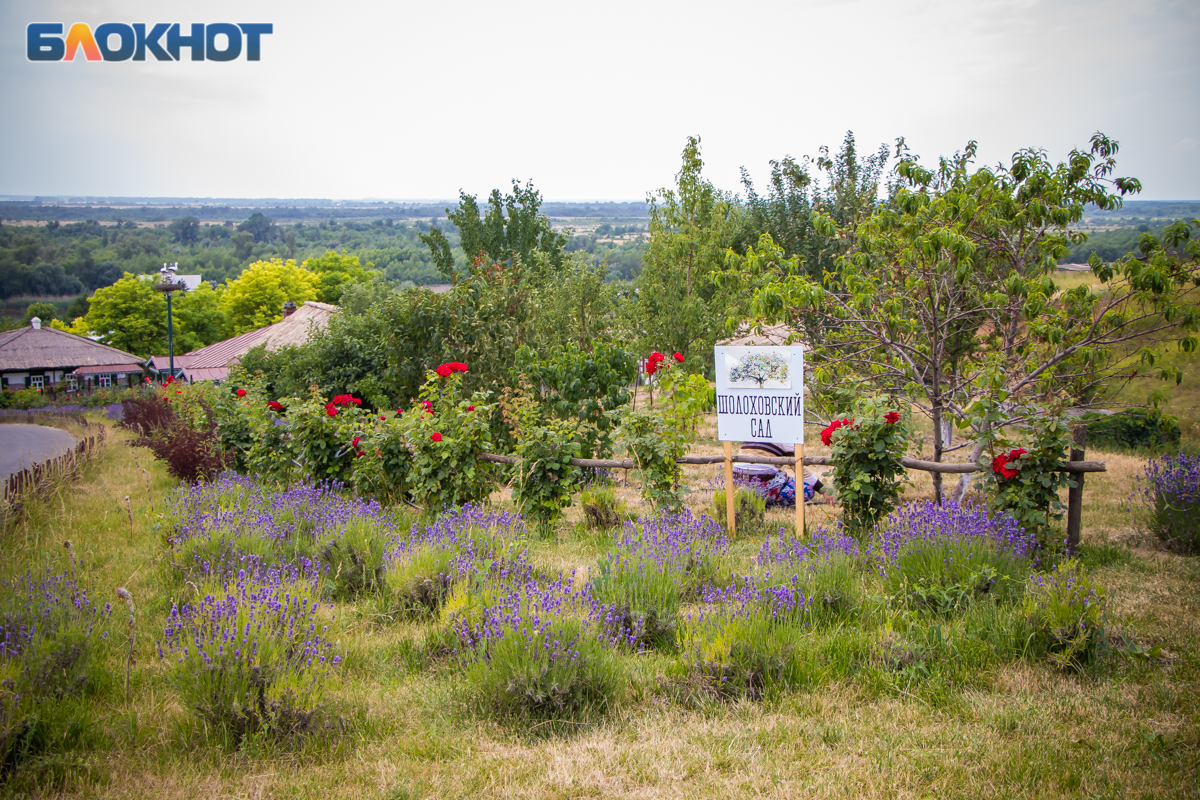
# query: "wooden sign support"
(730, 493)
(799, 490)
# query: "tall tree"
(691, 227)
(256, 297)
(130, 315)
(947, 296)
(513, 227)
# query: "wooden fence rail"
(38, 478)
(789, 461)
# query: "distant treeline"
(285, 210)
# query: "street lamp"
(170, 284)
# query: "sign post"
(760, 398)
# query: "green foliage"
(602, 509)
(43, 311)
(257, 296)
(750, 509)
(130, 315)
(733, 654)
(335, 272)
(444, 470)
(866, 456)
(1066, 610)
(355, 561)
(321, 441)
(575, 384)
(1031, 497)
(640, 601)
(944, 577)
(647, 435)
(1131, 428)
(691, 228)
(544, 477)
(23, 399)
(199, 318)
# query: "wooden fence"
(1076, 466)
(38, 478)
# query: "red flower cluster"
(827, 434)
(330, 410)
(275, 405)
(891, 418)
(451, 367)
(354, 443)
(241, 392)
(654, 361)
(1000, 463)
(437, 437)
(170, 379)
(428, 406)
(345, 400)
(678, 357)
(470, 408)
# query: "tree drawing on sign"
(760, 368)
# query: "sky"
(591, 101)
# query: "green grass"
(900, 704)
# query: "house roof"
(46, 348)
(105, 369)
(214, 361)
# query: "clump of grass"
(602, 509)
(750, 510)
(1065, 608)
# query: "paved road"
(23, 445)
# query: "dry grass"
(1025, 730)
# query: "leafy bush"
(545, 477)
(1132, 428)
(445, 434)
(1026, 482)
(22, 398)
(322, 435)
(826, 565)
(750, 509)
(52, 646)
(530, 655)
(602, 508)
(192, 452)
(866, 454)
(252, 656)
(1066, 610)
(1168, 496)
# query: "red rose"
(1000, 463)
(274, 405)
(382, 418)
(444, 371)
(359, 454)
(331, 411)
(437, 437)
(891, 418)
(241, 393)
(399, 410)
(651, 367)
(179, 391)
(355, 442)
(678, 357)
(470, 408)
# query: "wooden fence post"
(1075, 495)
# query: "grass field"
(1126, 727)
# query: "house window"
(72, 383)
(105, 381)
(37, 382)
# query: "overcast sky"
(593, 100)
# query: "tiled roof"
(214, 361)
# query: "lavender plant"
(471, 541)
(53, 646)
(942, 557)
(827, 563)
(253, 655)
(1167, 495)
(236, 523)
(529, 652)
(1066, 609)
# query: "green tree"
(256, 298)
(335, 272)
(947, 296)
(186, 230)
(46, 312)
(258, 226)
(130, 315)
(691, 228)
(514, 227)
(199, 318)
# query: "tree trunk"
(964, 480)
(938, 445)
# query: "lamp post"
(168, 285)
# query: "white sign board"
(760, 394)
